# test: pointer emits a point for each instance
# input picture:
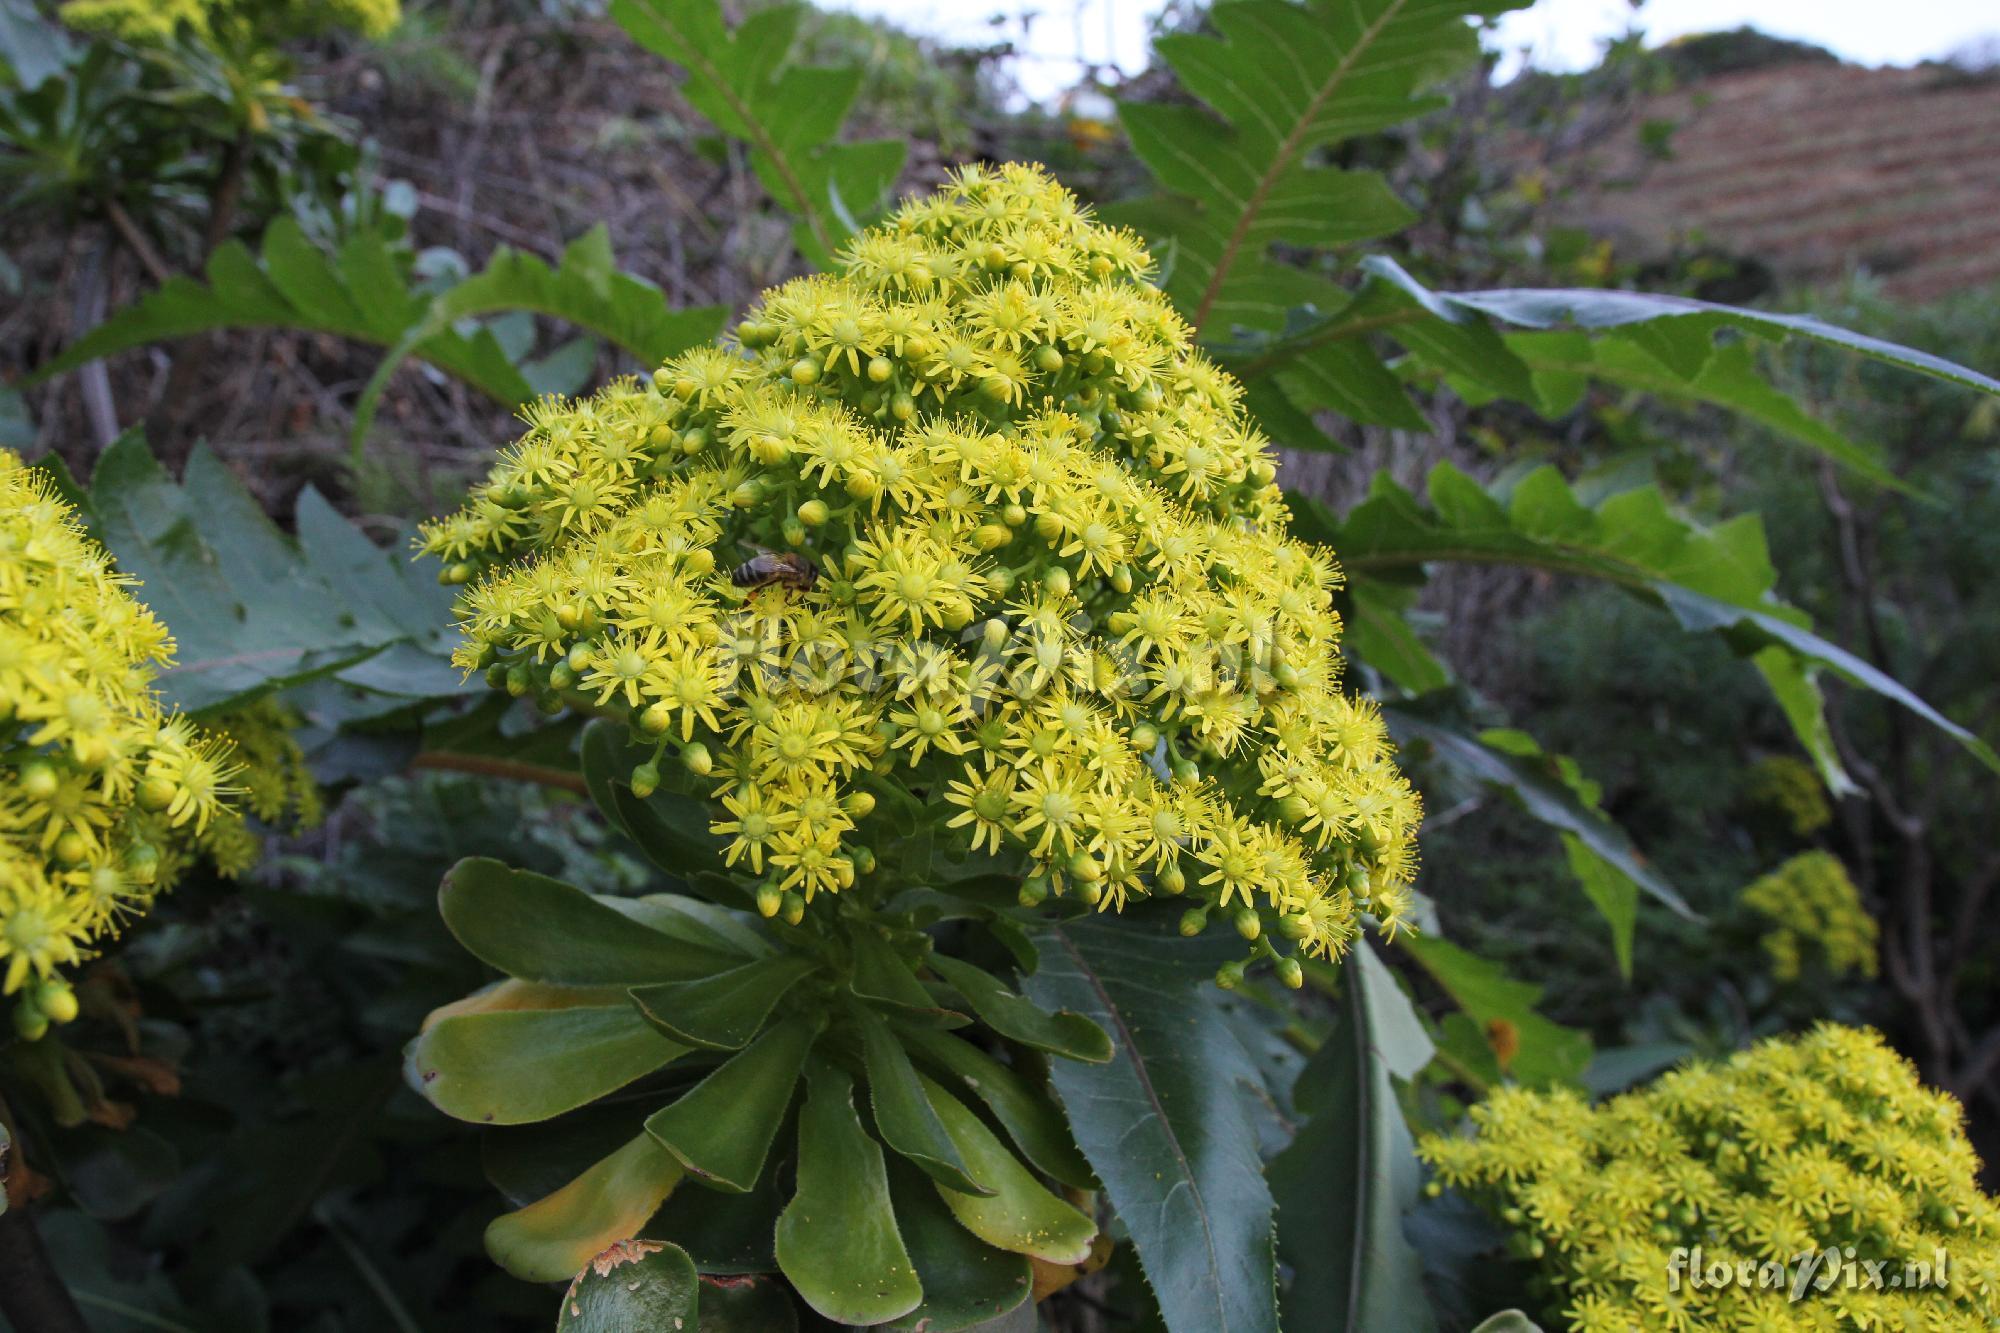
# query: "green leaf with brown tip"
(721, 1128)
(1060, 1033)
(1021, 1216)
(722, 1012)
(837, 1239)
(554, 1237)
(903, 1116)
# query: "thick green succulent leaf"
(1344, 1182)
(1285, 81)
(721, 1128)
(789, 115)
(253, 610)
(903, 1116)
(586, 289)
(722, 1012)
(551, 1239)
(637, 1286)
(966, 1282)
(1061, 1033)
(883, 978)
(1508, 1321)
(1034, 1122)
(1020, 1215)
(1714, 580)
(513, 1066)
(1549, 1052)
(838, 1242)
(540, 929)
(752, 1304)
(1165, 1125)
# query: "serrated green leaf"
(903, 1117)
(1344, 1182)
(744, 83)
(539, 929)
(252, 610)
(722, 1012)
(1033, 1121)
(1548, 1052)
(1164, 1125)
(518, 1065)
(642, 1286)
(1020, 1215)
(551, 1239)
(1286, 81)
(721, 1128)
(837, 1239)
(1061, 1033)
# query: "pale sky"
(1059, 37)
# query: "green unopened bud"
(1194, 921)
(1295, 809)
(1172, 881)
(656, 719)
(1121, 579)
(694, 441)
(858, 804)
(746, 495)
(561, 677)
(1014, 515)
(30, 1022)
(1047, 359)
(518, 680)
(863, 859)
(579, 657)
(794, 532)
(1145, 737)
(794, 909)
(814, 512)
(1294, 925)
(1185, 771)
(698, 760)
(1056, 580)
(880, 368)
(548, 702)
(1085, 868)
(1247, 923)
(1034, 891)
(142, 862)
(456, 573)
(39, 782)
(804, 372)
(496, 676)
(1230, 975)
(1048, 527)
(1289, 972)
(645, 780)
(769, 899)
(992, 536)
(864, 486)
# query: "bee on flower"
(1053, 605)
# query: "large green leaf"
(721, 1128)
(1020, 1215)
(1716, 580)
(1344, 1182)
(837, 1239)
(903, 1115)
(552, 1238)
(1063, 1033)
(540, 929)
(253, 610)
(1164, 1125)
(586, 290)
(1548, 1052)
(966, 1282)
(358, 293)
(1033, 1121)
(789, 115)
(514, 1066)
(643, 1286)
(1285, 82)
(722, 1012)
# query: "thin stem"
(487, 766)
(135, 241)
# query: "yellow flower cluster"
(1793, 1146)
(103, 797)
(969, 515)
(1790, 788)
(154, 21)
(1810, 901)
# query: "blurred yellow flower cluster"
(971, 516)
(103, 797)
(153, 21)
(1791, 1147)
(1812, 904)
(1790, 788)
